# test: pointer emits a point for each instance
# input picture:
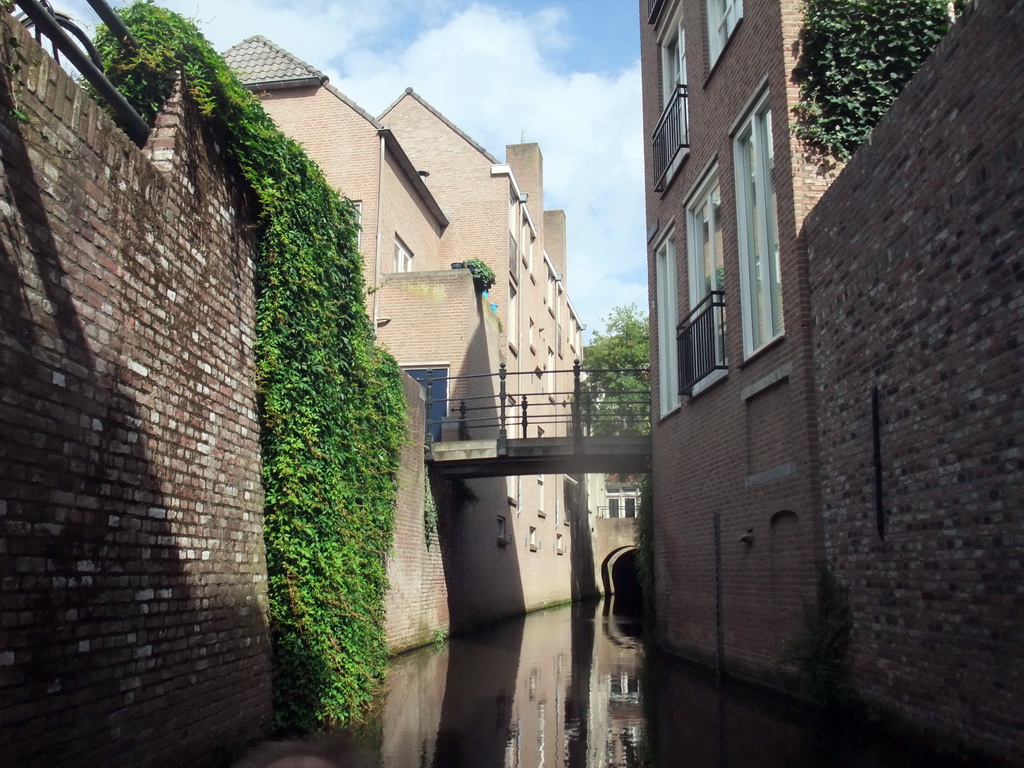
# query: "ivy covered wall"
(331, 405)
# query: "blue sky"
(564, 74)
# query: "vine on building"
(855, 58)
(331, 404)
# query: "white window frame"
(403, 256)
(673, 60)
(723, 17)
(513, 316)
(700, 284)
(358, 205)
(667, 308)
(757, 232)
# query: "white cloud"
(486, 70)
(502, 76)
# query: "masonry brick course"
(917, 288)
(133, 607)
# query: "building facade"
(430, 200)
(735, 476)
(840, 385)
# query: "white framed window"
(757, 229)
(673, 61)
(531, 539)
(723, 16)
(559, 544)
(358, 205)
(540, 495)
(550, 371)
(706, 262)
(403, 256)
(527, 242)
(513, 316)
(502, 531)
(667, 308)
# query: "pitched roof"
(259, 63)
(443, 119)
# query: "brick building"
(430, 199)
(837, 373)
(736, 499)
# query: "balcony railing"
(653, 9)
(701, 338)
(671, 137)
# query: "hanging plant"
(483, 275)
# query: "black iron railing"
(701, 338)
(65, 37)
(491, 405)
(672, 136)
(653, 10)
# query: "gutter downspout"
(376, 247)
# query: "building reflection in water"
(571, 687)
(557, 689)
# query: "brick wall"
(133, 608)
(345, 144)
(417, 602)
(742, 450)
(917, 283)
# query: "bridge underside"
(541, 456)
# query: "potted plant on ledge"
(483, 275)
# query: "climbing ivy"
(855, 58)
(331, 405)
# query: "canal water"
(572, 687)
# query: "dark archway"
(619, 578)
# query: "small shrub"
(822, 651)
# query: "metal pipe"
(113, 22)
(136, 128)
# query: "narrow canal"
(572, 687)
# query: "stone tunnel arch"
(619, 576)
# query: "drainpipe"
(376, 247)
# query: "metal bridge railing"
(493, 405)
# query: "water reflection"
(556, 689)
(572, 687)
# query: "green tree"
(617, 389)
(855, 58)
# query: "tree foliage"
(617, 390)
(331, 406)
(856, 56)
